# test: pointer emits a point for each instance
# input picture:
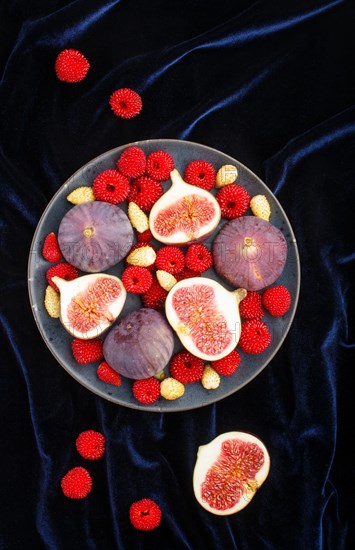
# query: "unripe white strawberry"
(210, 378)
(81, 195)
(137, 217)
(171, 389)
(260, 207)
(165, 279)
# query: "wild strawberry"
(141, 254)
(71, 66)
(144, 236)
(50, 250)
(210, 379)
(51, 302)
(159, 165)
(198, 257)
(260, 207)
(64, 271)
(166, 280)
(145, 514)
(137, 279)
(200, 173)
(186, 274)
(145, 192)
(76, 483)
(227, 174)
(277, 300)
(87, 351)
(90, 444)
(111, 186)
(233, 200)
(126, 103)
(132, 162)
(139, 220)
(81, 194)
(255, 336)
(251, 306)
(146, 390)
(185, 367)
(154, 297)
(227, 365)
(107, 374)
(171, 389)
(170, 258)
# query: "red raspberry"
(71, 66)
(87, 351)
(76, 483)
(145, 192)
(198, 258)
(90, 444)
(255, 336)
(251, 306)
(200, 173)
(108, 375)
(227, 365)
(159, 165)
(146, 390)
(186, 368)
(137, 279)
(111, 186)
(233, 200)
(170, 259)
(50, 250)
(145, 514)
(145, 236)
(277, 300)
(132, 162)
(64, 271)
(155, 297)
(126, 103)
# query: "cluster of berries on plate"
(152, 269)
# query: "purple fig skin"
(95, 236)
(141, 345)
(249, 252)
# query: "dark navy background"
(272, 84)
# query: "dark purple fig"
(141, 345)
(95, 236)
(249, 252)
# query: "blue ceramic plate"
(59, 340)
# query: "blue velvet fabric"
(272, 84)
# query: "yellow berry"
(165, 279)
(51, 302)
(226, 174)
(171, 389)
(260, 207)
(143, 256)
(80, 195)
(210, 378)
(137, 217)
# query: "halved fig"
(95, 236)
(205, 316)
(90, 304)
(249, 252)
(184, 214)
(228, 472)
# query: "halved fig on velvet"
(140, 345)
(95, 236)
(249, 252)
(184, 214)
(205, 316)
(90, 304)
(228, 472)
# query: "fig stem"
(59, 282)
(176, 177)
(248, 241)
(239, 294)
